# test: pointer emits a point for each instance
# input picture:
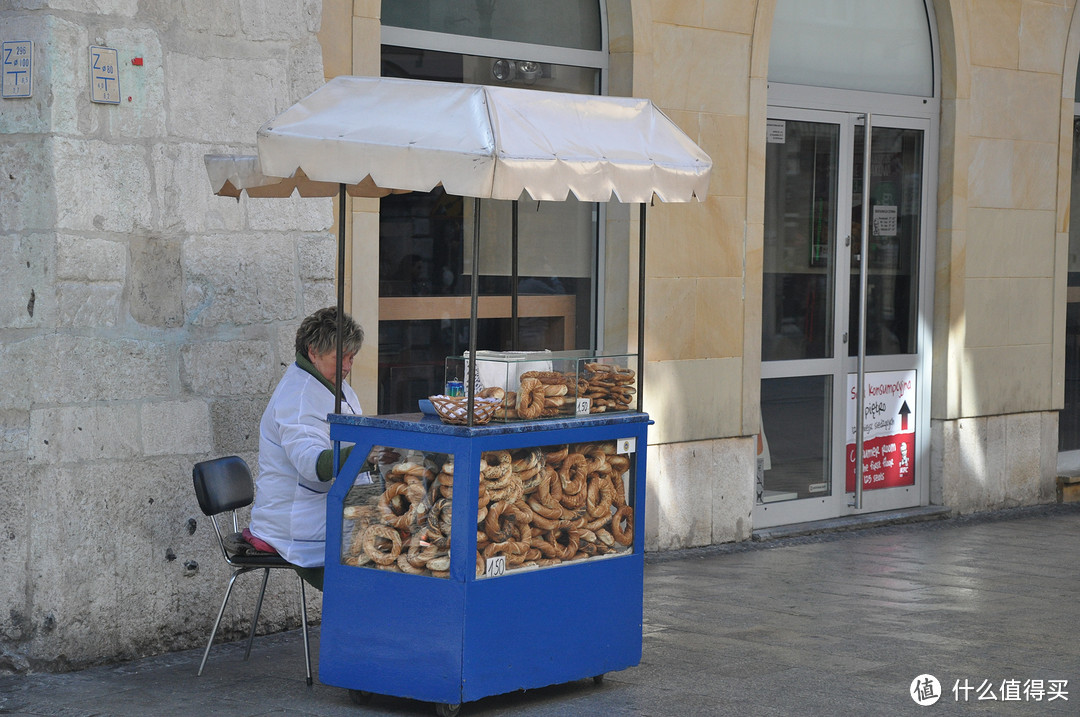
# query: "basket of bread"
(455, 409)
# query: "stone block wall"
(143, 321)
(993, 462)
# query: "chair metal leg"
(304, 627)
(217, 622)
(258, 609)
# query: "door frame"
(842, 108)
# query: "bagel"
(623, 536)
(530, 403)
(619, 499)
(549, 491)
(496, 466)
(600, 523)
(406, 566)
(545, 376)
(513, 550)
(573, 474)
(599, 497)
(508, 521)
(439, 564)
(619, 464)
(492, 392)
(377, 553)
(397, 509)
(558, 455)
(512, 492)
(567, 550)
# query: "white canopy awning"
(234, 174)
(379, 135)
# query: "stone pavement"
(831, 624)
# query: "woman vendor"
(295, 452)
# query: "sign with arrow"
(888, 429)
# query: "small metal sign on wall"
(17, 58)
(104, 76)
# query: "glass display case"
(607, 383)
(396, 515)
(535, 385)
(538, 506)
(547, 505)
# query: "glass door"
(813, 403)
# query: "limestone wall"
(702, 326)
(1002, 229)
(143, 322)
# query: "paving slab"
(817, 623)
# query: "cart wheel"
(448, 710)
(360, 697)
(598, 679)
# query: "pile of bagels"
(610, 388)
(537, 507)
(545, 394)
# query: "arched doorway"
(845, 351)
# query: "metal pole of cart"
(641, 303)
(864, 270)
(514, 276)
(340, 297)
(470, 386)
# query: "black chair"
(225, 485)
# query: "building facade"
(145, 321)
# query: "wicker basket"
(455, 409)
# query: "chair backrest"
(223, 484)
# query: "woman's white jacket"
(290, 500)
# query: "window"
(425, 239)
(872, 45)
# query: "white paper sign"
(885, 221)
(889, 426)
(104, 76)
(17, 58)
(496, 566)
(776, 131)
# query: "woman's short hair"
(319, 333)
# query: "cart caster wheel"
(360, 697)
(598, 679)
(447, 710)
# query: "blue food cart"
(467, 636)
(536, 576)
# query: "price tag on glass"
(496, 566)
(584, 406)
